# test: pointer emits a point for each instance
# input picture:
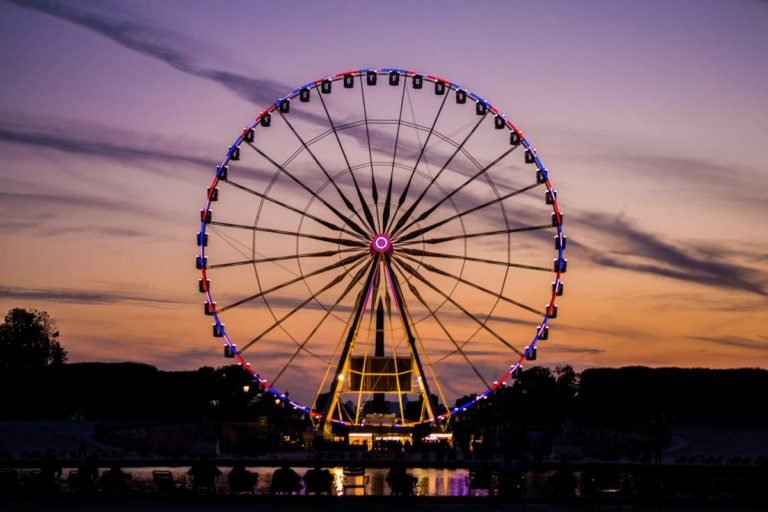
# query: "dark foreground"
(369, 503)
(488, 486)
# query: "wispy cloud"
(93, 297)
(174, 50)
(715, 301)
(97, 230)
(58, 201)
(695, 178)
(161, 44)
(759, 344)
(640, 251)
(17, 225)
(79, 140)
(43, 213)
(558, 348)
(155, 351)
(608, 330)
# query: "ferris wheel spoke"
(499, 296)
(322, 168)
(499, 199)
(385, 220)
(453, 192)
(346, 261)
(349, 222)
(474, 235)
(320, 254)
(404, 193)
(333, 282)
(363, 202)
(483, 324)
(335, 241)
(317, 138)
(374, 189)
(415, 292)
(447, 139)
(432, 254)
(328, 312)
(329, 225)
(404, 218)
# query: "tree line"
(37, 383)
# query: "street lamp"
(246, 389)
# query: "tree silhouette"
(28, 342)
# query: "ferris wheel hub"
(381, 243)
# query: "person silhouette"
(400, 482)
(241, 480)
(204, 474)
(114, 479)
(47, 480)
(87, 472)
(285, 481)
(318, 481)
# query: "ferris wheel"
(384, 244)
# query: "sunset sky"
(650, 116)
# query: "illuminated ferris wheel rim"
(381, 244)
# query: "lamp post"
(246, 390)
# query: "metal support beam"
(424, 386)
(341, 368)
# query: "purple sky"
(650, 115)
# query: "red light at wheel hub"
(381, 243)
